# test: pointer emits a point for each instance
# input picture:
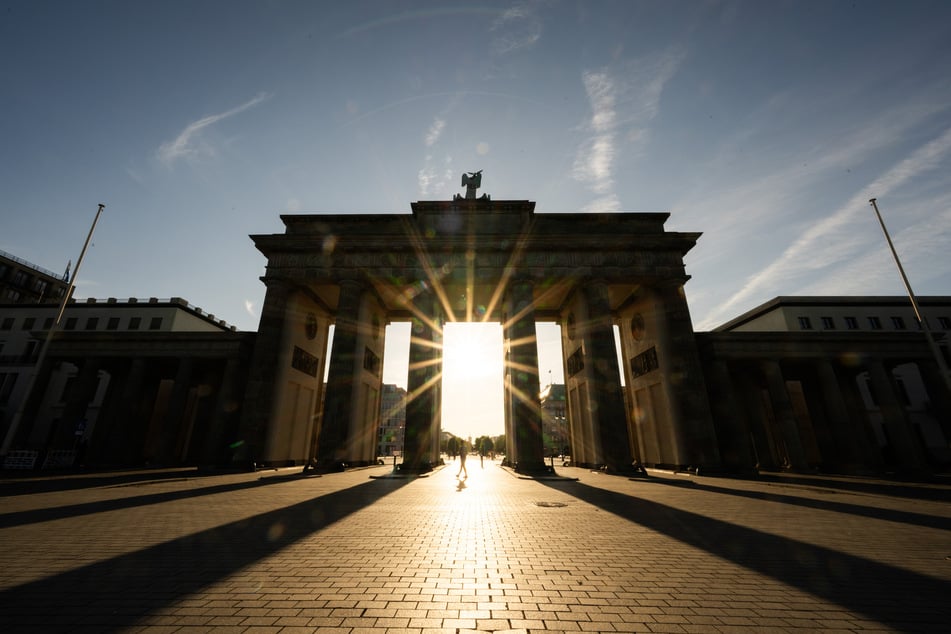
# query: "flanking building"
(844, 384)
(23, 282)
(123, 382)
(837, 384)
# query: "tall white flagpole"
(41, 358)
(942, 366)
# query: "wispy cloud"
(519, 27)
(435, 130)
(184, 145)
(433, 178)
(833, 240)
(624, 99)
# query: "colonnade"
(119, 407)
(794, 408)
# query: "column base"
(533, 468)
(408, 468)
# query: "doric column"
(226, 403)
(261, 386)
(345, 364)
(864, 441)
(172, 420)
(524, 386)
(732, 423)
(938, 395)
(83, 391)
(607, 405)
(837, 413)
(783, 411)
(751, 396)
(687, 393)
(422, 401)
(908, 450)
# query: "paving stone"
(275, 551)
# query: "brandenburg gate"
(476, 259)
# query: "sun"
(472, 351)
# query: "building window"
(134, 323)
(48, 323)
(7, 324)
(7, 381)
(92, 323)
(155, 324)
(874, 323)
(13, 295)
(805, 323)
(21, 278)
(71, 323)
(944, 323)
(828, 323)
(28, 323)
(40, 286)
(112, 324)
(898, 323)
(851, 323)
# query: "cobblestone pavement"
(354, 552)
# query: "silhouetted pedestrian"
(463, 450)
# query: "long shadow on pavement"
(115, 594)
(891, 515)
(901, 599)
(28, 482)
(19, 518)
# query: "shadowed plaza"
(359, 551)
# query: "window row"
(91, 323)
(873, 323)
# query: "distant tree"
(485, 445)
(499, 444)
(452, 446)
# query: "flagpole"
(942, 366)
(41, 357)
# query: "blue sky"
(765, 125)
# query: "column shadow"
(891, 515)
(20, 518)
(900, 599)
(115, 594)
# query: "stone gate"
(477, 260)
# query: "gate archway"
(477, 260)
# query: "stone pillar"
(686, 390)
(175, 410)
(425, 360)
(31, 408)
(733, 429)
(909, 453)
(837, 415)
(785, 417)
(345, 365)
(116, 442)
(523, 369)
(607, 406)
(938, 395)
(864, 442)
(751, 393)
(262, 386)
(83, 391)
(214, 450)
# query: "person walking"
(463, 450)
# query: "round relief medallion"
(638, 330)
